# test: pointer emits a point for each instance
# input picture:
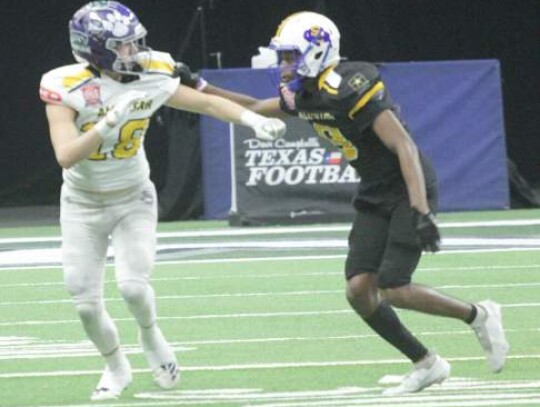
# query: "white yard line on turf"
(13, 347)
(46, 256)
(307, 293)
(285, 314)
(288, 230)
(252, 366)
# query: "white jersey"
(121, 163)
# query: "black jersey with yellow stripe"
(341, 107)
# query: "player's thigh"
(403, 249)
(84, 247)
(134, 237)
(367, 241)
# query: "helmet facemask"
(132, 55)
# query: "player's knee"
(133, 292)
(78, 286)
(362, 294)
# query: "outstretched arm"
(267, 107)
(223, 109)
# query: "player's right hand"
(119, 113)
(427, 230)
(270, 129)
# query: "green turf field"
(258, 318)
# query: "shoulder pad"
(330, 81)
(159, 62)
(358, 77)
(56, 85)
(360, 83)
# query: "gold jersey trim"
(365, 99)
(155, 65)
(76, 80)
(325, 85)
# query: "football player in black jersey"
(348, 103)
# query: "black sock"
(472, 315)
(386, 323)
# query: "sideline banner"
(453, 109)
(298, 179)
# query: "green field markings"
(453, 392)
(271, 327)
(247, 295)
(228, 316)
(13, 347)
(260, 366)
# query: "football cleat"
(421, 377)
(490, 333)
(167, 375)
(161, 359)
(111, 385)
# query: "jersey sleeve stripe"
(365, 99)
(323, 84)
(160, 66)
(329, 89)
(75, 81)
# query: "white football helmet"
(312, 37)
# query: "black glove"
(187, 77)
(427, 230)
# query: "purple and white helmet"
(109, 36)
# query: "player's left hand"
(187, 77)
(270, 129)
(427, 230)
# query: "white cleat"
(490, 333)
(111, 385)
(421, 377)
(167, 375)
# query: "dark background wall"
(34, 40)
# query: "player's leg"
(429, 368)
(134, 240)
(399, 263)
(84, 248)
(367, 241)
(400, 260)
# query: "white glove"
(265, 128)
(118, 114)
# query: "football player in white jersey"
(98, 112)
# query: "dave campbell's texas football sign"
(301, 178)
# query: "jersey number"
(129, 141)
(336, 138)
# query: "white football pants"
(88, 220)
